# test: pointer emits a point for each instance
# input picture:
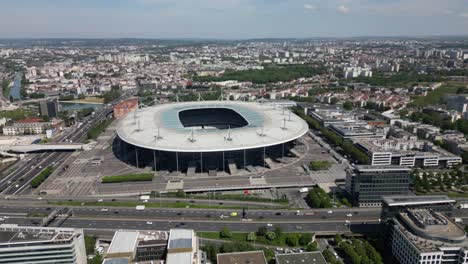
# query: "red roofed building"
(125, 107)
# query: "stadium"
(208, 136)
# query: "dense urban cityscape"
(315, 150)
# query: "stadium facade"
(208, 136)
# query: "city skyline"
(232, 19)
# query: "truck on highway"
(463, 206)
(140, 207)
(303, 190)
(458, 220)
(144, 197)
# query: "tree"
(251, 236)
(278, 231)
(292, 240)
(312, 246)
(338, 239)
(270, 235)
(328, 255)
(262, 231)
(45, 118)
(180, 194)
(348, 105)
(96, 259)
(225, 233)
(305, 239)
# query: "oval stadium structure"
(208, 136)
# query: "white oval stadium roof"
(159, 128)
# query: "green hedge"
(42, 177)
(128, 178)
(320, 165)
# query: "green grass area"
(401, 79)
(96, 130)
(37, 215)
(128, 178)
(434, 97)
(149, 205)
(17, 114)
(42, 177)
(319, 165)
(271, 238)
(90, 242)
(268, 75)
(6, 88)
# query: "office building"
(427, 237)
(251, 257)
(28, 127)
(409, 153)
(130, 246)
(357, 131)
(49, 108)
(183, 247)
(367, 184)
(39, 245)
(458, 102)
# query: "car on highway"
(234, 214)
(269, 224)
(330, 212)
(149, 223)
(299, 212)
(349, 215)
(104, 210)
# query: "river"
(15, 89)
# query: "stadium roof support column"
(177, 161)
(136, 157)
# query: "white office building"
(41, 245)
(421, 236)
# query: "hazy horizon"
(232, 19)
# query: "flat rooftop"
(399, 147)
(160, 128)
(430, 231)
(123, 242)
(10, 233)
(301, 258)
(249, 257)
(403, 200)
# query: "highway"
(319, 226)
(199, 214)
(29, 168)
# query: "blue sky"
(231, 18)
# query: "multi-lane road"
(27, 169)
(319, 221)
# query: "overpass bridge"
(42, 147)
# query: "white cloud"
(310, 7)
(343, 9)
